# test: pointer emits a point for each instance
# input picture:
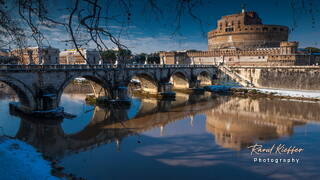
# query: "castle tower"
(245, 30)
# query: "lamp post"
(309, 56)
(162, 59)
(146, 59)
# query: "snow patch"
(314, 94)
(19, 160)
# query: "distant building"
(37, 55)
(6, 58)
(72, 56)
(242, 39)
(4, 52)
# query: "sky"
(150, 30)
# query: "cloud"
(179, 151)
(163, 43)
(136, 41)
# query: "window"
(229, 29)
(265, 29)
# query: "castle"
(243, 40)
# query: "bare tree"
(89, 22)
(10, 30)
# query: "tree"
(109, 56)
(126, 53)
(10, 29)
(90, 21)
(313, 49)
(85, 21)
(140, 58)
(154, 58)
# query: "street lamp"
(309, 56)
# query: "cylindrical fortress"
(245, 31)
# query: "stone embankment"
(281, 77)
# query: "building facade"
(72, 56)
(37, 55)
(241, 39)
(6, 58)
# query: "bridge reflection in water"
(235, 123)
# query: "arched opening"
(16, 91)
(204, 78)
(78, 95)
(143, 83)
(83, 86)
(179, 81)
(12, 90)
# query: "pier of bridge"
(40, 87)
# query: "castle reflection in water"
(234, 122)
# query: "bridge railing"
(22, 67)
(168, 65)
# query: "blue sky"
(149, 31)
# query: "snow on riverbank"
(313, 94)
(19, 160)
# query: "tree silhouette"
(89, 22)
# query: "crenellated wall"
(289, 77)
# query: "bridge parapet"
(15, 67)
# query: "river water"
(194, 137)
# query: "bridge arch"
(180, 80)
(205, 78)
(147, 82)
(98, 86)
(24, 93)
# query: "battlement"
(289, 44)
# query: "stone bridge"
(39, 87)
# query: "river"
(194, 137)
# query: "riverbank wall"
(284, 77)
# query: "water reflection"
(235, 123)
(199, 133)
(108, 125)
(239, 122)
